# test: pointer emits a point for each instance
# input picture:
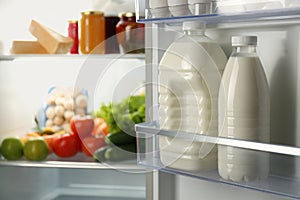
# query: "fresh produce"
(99, 154)
(124, 115)
(115, 153)
(91, 143)
(119, 138)
(49, 139)
(12, 148)
(100, 127)
(36, 149)
(82, 126)
(66, 145)
(121, 119)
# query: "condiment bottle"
(73, 33)
(244, 112)
(130, 34)
(92, 34)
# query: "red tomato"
(82, 126)
(91, 144)
(66, 145)
(49, 139)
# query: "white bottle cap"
(193, 25)
(244, 40)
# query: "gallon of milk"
(189, 80)
(244, 112)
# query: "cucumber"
(119, 138)
(99, 154)
(120, 153)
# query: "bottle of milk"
(189, 80)
(244, 112)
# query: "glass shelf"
(80, 161)
(282, 180)
(73, 56)
(233, 17)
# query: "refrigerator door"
(278, 35)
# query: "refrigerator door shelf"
(230, 17)
(281, 157)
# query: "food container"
(130, 35)
(92, 34)
(111, 42)
(60, 106)
(73, 33)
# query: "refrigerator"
(25, 81)
(276, 25)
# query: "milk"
(189, 79)
(244, 113)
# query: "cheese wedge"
(27, 47)
(52, 41)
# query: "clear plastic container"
(244, 112)
(189, 78)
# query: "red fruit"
(49, 139)
(82, 126)
(66, 145)
(91, 144)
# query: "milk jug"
(244, 112)
(189, 79)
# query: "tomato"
(91, 144)
(49, 139)
(100, 127)
(82, 126)
(66, 145)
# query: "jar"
(92, 34)
(130, 34)
(111, 45)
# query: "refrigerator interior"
(278, 48)
(24, 85)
